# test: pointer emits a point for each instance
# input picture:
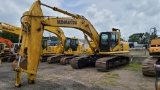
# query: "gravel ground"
(59, 77)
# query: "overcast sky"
(130, 16)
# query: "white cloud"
(130, 16)
(102, 20)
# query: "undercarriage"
(102, 63)
(148, 68)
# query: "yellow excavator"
(72, 48)
(47, 50)
(148, 68)
(99, 49)
(69, 43)
(107, 44)
(151, 65)
(57, 49)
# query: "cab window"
(104, 38)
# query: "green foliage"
(111, 75)
(133, 67)
(14, 38)
(10, 36)
(141, 38)
(51, 38)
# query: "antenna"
(49, 36)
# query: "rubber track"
(79, 62)
(148, 66)
(53, 59)
(111, 62)
(66, 60)
(157, 74)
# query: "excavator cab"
(71, 43)
(108, 41)
(72, 46)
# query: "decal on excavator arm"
(66, 22)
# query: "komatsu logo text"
(66, 22)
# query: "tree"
(10, 36)
(51, 38)
(135, 37)
(141, 38)
(15, 38)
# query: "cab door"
(67, 44)
(105, 42)
(74, 44)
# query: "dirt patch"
(59, 77)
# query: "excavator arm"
(18, 31)
(81, 24)
(32, 37)
(77, 21)
(10, 28)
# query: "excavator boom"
(10, 28)
(33, 22)
(62, 11)
(81, 24)
(58, 31)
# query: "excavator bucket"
(23, 64)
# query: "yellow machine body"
(154, 48)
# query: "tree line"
(141, 38)
(15, 38)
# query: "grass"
(53, 65)
(109, 79)
(132, 67)
(111, 75)
(109, 83)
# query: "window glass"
(77, 42)
(117, 37)
(67, 44)
(72, 42)
(68, 41)
(104, 38)
(113, 37)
